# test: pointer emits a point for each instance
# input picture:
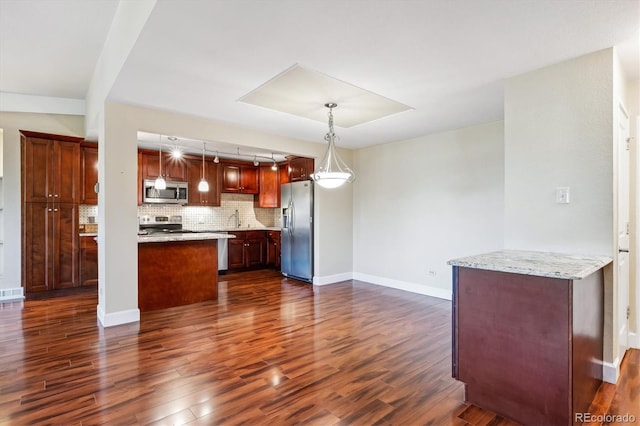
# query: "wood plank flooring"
(268, 351)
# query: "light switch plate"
(562, 195)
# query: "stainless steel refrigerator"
(296, 202)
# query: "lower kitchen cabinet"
(247, 250)
(88, 261)
(273, 249)
(50, 246)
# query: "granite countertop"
(88, 234)
(161, 238)
(543, 264)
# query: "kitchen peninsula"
(177, 269)
(528, 333)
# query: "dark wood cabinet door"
(255, 252)
(150, 165)
(300, 168)
(89, 171)
(269, 195)
(66, 245)
(37, 249)
(231, 178)
(273, 249)
(37, 166)
(174, 169)
(194, 174)
(88, 261)
(249, 180)
(236, 252)
(212, 174)
(66, 172)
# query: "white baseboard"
(440, 293)
(11, 294)
(611, 371)
(332, 279)
(118, 318)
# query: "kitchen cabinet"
(273, 249)
(51, 185)
(211, 174)
(283, 169)
(173, 169)
(247, 250)
(89, 173)
(300, 168)
(51, 166)
(269, 183)
(240, 178)
(50, 249)
(88, 261)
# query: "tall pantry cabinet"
(50, 181)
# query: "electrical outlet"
(432, 273)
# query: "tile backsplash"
(204, 218)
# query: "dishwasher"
(223, 252)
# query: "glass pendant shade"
(332, 171)
(203, 186)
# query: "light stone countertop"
(161, 238)
(265, 228)
(543, 264)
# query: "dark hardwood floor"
(268, 351)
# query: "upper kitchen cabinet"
(239, 177)
(173, 169)
(269, 181)
(51, 165)
(212, 176)
(295, 169)
(89, 171)
(300, 168)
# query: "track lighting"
(203, 186)
(160, 183)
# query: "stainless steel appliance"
(176, 193)
(223, 252)
(161, 225)
(296, 201)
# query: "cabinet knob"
(55, 210)
(50, 195)
(56, 195)
(50, 210)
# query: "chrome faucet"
(237, 215)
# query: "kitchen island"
(177, 269)
(528, 333)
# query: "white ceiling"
(445, 58)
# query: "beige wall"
(421, 202)
(12, 123)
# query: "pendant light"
(332, 171)
(203, 186)
(160, 183)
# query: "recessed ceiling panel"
(303, 92)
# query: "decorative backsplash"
(205, 218)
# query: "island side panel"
(176, 273)
(588, 329)
(513, 344)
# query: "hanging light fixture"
(203, 186)
(216, 159)
(332, 171)
(255, 161)
(274, 166)
(160, 183)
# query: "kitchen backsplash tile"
(204, 218)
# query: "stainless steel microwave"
(175, 193)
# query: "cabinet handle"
(55, 210)
(56, 195)
(50, 210)
(50, 195)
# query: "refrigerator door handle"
(292, 223)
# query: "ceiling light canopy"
(332, 171)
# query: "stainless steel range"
(161, 225)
